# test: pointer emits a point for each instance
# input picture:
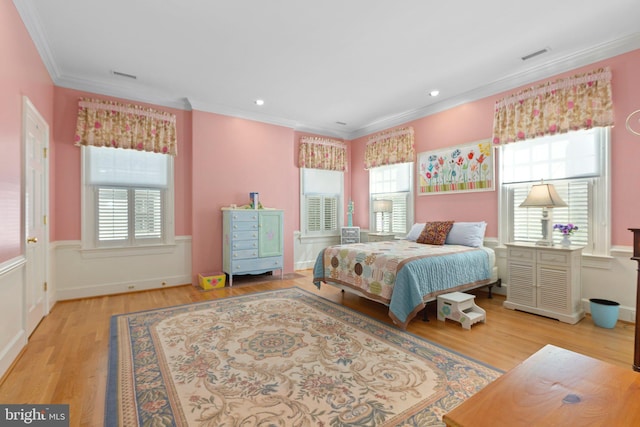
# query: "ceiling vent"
(534, 54)
(118, 73)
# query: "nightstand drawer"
(521, 254)
(553, 257)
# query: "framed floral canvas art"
(456, 169)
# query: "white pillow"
(467, 234)
(415, 231)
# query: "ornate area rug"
(279, 358)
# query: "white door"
(36, 142)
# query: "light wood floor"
(65, 360)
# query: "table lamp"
(546, 197)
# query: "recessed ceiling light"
(434, 93)
(259, 101)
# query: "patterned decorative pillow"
(435, 233)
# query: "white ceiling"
(366, 63)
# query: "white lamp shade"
(543, 196)
(383, 205)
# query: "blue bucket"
(604, 312)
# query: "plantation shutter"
(314, 211)
(392, 183)
(148, 213)
(330, 213)
(322, 213)
(113, 214)
(396, 221)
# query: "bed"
(405, 274)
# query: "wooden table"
(555, 387)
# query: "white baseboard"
(10, 352)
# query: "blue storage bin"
(604, 312)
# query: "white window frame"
(89, 219)
(409, 194)
(600, 206)
(309, 190)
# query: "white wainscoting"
(13, 336)
(81, 273)
(306, 249)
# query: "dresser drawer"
(244, 244)
(245, 253)
(244, 225)
(270, 263)
(244, 235)
(248, 215)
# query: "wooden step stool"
(460, 307)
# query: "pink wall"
(474, 121)
(232, 157)
(22, 73)
(222, 158)
(66, 179)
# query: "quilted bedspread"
(402, 274)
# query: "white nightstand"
(545, 280)
(381, 237)
(349, 235)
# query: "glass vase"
(566, 241)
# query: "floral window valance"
(322, 153)
(579, 102)
(390, 147)
(111, 124)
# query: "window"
(321, 201)
(577, 164)
(395, 183)
(127, 198)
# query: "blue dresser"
(252, 241)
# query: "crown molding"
(124, 91)
(31, 21)
(152, 96)
(545, 70)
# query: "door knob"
(32, 240)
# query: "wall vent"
(534, 54)
(118, 73)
